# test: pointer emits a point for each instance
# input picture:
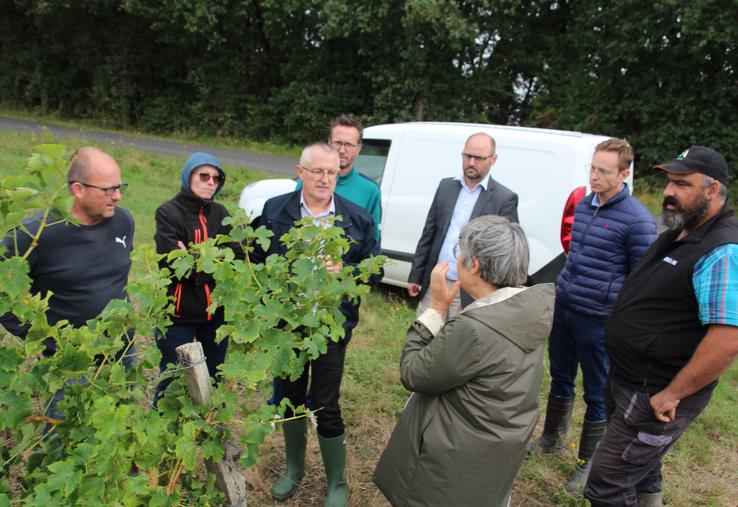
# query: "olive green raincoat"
(461, 439)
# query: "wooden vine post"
(228, 480)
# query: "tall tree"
(661, 73)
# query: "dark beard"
(679, 219)
(477, 176)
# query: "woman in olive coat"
(475, 379)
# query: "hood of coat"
(524, 319)
(196, 160)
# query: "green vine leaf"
(108, 446)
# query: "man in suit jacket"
(457, 201)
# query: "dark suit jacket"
(496, 200)
(280, 214)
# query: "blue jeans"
(579, 340)
(179, 334)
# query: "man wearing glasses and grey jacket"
(457, 201)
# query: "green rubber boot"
(295, 442)
(333, 451)
(650, 500)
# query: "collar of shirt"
(596, 196)
(305, 211)
(484, 183)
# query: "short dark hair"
(623, 149)
(347, 120)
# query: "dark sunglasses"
(205, 177)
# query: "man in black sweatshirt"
(83, 265)
(672, 333)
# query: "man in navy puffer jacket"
(611, 232)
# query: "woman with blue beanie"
(192, 217)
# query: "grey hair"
(709, 180)
(306, 156)
(500, 247)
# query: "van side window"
(373, 158)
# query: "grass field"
(702, 469)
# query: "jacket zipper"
(199, 239)
(178, 298)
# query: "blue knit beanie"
(196, 160)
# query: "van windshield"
(373, 158)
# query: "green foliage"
(662, 74)
(191, 67)
(103, 443)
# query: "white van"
(548, 169)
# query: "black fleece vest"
(654, 327)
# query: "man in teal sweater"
(345, 138)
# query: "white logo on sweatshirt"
(121, 241)
(669, 260)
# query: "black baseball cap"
(699, 159)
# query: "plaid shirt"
(715, 282)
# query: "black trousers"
(325, 374)
(628, 459)
(179, 334)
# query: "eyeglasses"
(475, 158)
(318, 174)
(205, 177)
(600, 171)
(337, 145)
(107, 190)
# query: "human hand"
(413, 289)
(332, 268)
(441, 294)
(181, 245)
(664, 406)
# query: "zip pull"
(207, 297)
(203, 224)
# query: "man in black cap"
(672, 333)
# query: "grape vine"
(111, 447)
